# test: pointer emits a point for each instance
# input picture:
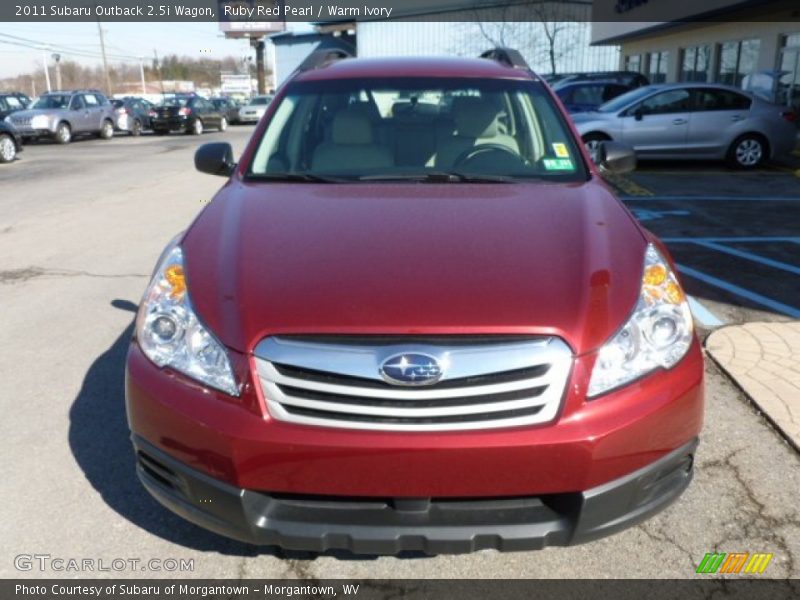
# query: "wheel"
(748, 151)
(223, 124)
(63, 133)
(197, 127)
(8, 149)
(136, 128)
(106, 130)
(592, 142)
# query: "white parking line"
(706, 318)
(712, 198)
(775, 264)
(774, 305)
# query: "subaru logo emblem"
(411, 368)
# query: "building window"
(633, 63)
(657, 66)
(737, 59)
(695, 63)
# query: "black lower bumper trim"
(433, 526)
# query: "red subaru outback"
(415, 318)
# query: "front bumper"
(433, 526)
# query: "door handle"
(678, 121)
(737, 118)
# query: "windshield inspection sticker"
(558, 164)
(560, 150)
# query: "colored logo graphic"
(734, 562)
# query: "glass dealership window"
(737, 59)
(633, 63)
(695, 63)
(657, 66)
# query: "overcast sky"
(135, 39)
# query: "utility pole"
(46, 70)
(259, 45)
(141, 70)
(57, 58)
(105, 60)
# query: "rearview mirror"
(615, 157)
(215, 159)
(638, 113)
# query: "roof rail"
(507, 56)
(322, 58)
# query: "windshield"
(176, 101)
(625, 99)
(52, 101)
(260, 100)
(430, 129)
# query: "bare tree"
(553, 16)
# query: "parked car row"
(62, 115)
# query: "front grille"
(334, 382)
(21, 122)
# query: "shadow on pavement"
(99, 441)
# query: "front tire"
(63, 133)
(748, 151)
(592, 143)
(136, 130)
(106, 131)
(223, 124)
(8, 149)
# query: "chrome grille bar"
(483, 386)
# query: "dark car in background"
(227, 107)
(630, 78)
(10, 142)
(581, 96)
(187, 113)
(12, 102)
(133, 115)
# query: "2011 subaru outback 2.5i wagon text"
(414, 318)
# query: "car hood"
(414, 258)
(34, 112)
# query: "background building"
(755, 48)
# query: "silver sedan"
(692, 121)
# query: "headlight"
(657, 334)
(40, 122)
(170, 334)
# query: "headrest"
(475, 117)
(351, 126)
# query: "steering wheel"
(478, 151)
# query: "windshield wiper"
(439, 177)
(295, 177)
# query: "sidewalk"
(764, 360)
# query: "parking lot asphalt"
(735, 235)
(80, 229)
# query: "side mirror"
(638, 113)
(215, 159)
(616, 158)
